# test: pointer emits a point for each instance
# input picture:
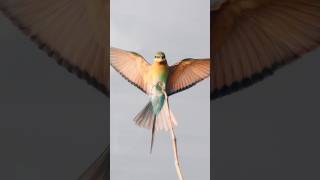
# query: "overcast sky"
(181, 29)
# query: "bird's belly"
(157, 103)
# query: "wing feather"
(131, 66)
(74, 32)
(251, 38)
(187, 73)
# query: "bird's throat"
(159, 71)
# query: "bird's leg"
(174, 143)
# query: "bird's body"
(157, 99)
(156, 80)
(159, 70)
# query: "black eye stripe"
(160, 57)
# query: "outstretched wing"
(131, 66)
(187, 73)
(251, 38)
(74, 32)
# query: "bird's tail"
(147, 119)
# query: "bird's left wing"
(131, 66)
(73, 32)
(187, 73)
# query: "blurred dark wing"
(100, 169)
(251, 38)
(74, 32)
(131, 66)
(187, 73)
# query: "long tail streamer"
(174, 143)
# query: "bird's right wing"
(131, 66)
(251, 38)
(74, 32)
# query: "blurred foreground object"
(252, 38)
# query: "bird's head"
(159, 57)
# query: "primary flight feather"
(74, 32)
(251, 38)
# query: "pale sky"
(181, 29)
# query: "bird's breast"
(159, 72)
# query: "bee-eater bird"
(251, 38)
(151, 77)
(76, 34)
(158, 80)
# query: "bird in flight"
(158, 80)
(252, 38)
(151, 78)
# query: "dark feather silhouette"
(250, 39)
